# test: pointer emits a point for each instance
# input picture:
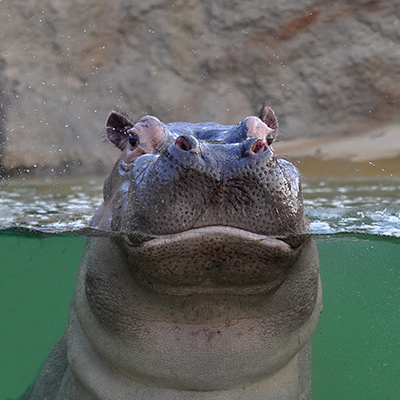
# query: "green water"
(37, 280)
(356, 347)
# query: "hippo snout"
(250, 146)
(218, 159)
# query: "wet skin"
(208, 288)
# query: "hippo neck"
(101, 380)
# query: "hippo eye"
(132, 140)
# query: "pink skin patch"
(257, 128)
(149, 134)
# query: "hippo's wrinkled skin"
(208, 293)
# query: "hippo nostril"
(258, 146)
(183, 144)
(254, 146)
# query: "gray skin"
(207, 288)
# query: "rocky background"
(326, 68)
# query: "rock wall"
(327, 68)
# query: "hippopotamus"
(199, 281)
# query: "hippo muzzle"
(205, 284)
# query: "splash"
(356, 207)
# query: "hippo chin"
(207, 288)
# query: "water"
(59, 205)
(356, 206)
(356, 347)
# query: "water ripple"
(331, 207)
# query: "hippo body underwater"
(208, 289)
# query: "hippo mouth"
(213, 259)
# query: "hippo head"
(215, 196)
(178, 177)
(205, 280)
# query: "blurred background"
(330, 70)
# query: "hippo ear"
(269, 118)
(117, 127)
